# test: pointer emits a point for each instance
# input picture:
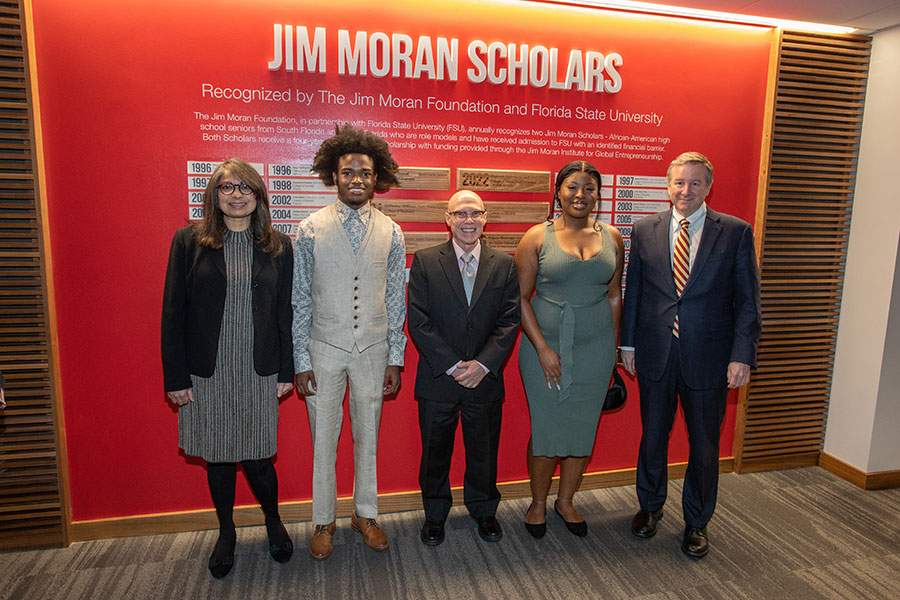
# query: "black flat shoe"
(432, 533)
(695, 543)
(579, 529)
(222, 558)
(280, 546)
(644, 523)
(537, 530)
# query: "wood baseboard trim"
(198, 520)
(775, 463)
(879, 480)
(33, 539)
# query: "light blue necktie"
(468, 274)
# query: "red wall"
(119, 86)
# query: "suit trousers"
(704, 411)
(334, 370)
(481, 438)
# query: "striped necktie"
(681, 264)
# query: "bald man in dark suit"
(690, 330)
(463, 315)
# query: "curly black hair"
(349, 140)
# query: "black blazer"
(719, 318)
(194, 301)
(445, 329)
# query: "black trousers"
(481, 438)
(704, 411)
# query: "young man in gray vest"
(348, 296)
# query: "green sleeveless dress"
(573, 313)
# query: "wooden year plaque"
(430, 211)
(504, 241)
(423, 178)
(496, 180)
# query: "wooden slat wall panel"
(816, 122)
(32, 511)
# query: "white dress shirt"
(476, 254)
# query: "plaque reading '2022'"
(493, 180)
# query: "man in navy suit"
(690, 329)
(463, 316)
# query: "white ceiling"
(868, 16)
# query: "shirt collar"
(345, 212)
(476, 251)
(693, 221)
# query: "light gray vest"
(348, 290)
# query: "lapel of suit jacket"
(663, 245)
(218, 258)
(486, 265)
(712, 228)
(450, 265)
(259, 260)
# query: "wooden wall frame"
(808, 166)
(33, 475)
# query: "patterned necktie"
(356, 231)
(681, 264)
(468, 274)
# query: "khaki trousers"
(335, 369)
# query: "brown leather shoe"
(320, 545)
(372, 534)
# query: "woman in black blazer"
(227, 291)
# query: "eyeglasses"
(463, 215)
(228, 188)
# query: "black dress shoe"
(695, 543)
(222, 558)
(644, 523)
(537, 530)
(432, 533)
(579, 529)
(280, 546)
(489, 529)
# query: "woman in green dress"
(572, 266)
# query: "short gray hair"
(691, 158)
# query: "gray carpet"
(799, 533)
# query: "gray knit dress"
(234, 415)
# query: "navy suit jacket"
(445, 329)
(719, 318)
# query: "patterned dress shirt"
(356, 223)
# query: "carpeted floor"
(799, 533)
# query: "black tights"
(262, 479)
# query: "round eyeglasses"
(228, 188)
(463, 215)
